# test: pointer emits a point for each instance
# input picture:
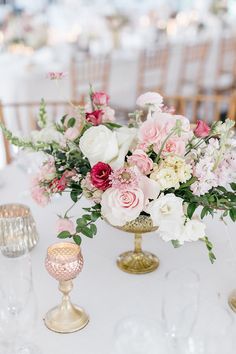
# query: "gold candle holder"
(138, 261)
(232, 300)
(64, 262)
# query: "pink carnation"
(65, 224)
(124, 178)
(141, 160)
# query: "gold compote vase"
(138, 261)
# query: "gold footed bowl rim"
(72, 324)
(232, 300)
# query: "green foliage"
(64, 234)
(112, 125)
(191, 209)
(85, 224)
(71, 122)
(42, 116)
(176, 243)
(209, 246)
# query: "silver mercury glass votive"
(18, 233)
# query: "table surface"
(108, 294)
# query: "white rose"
(125, 138)
(121, 206)
(99, 144)
(193, 230)
(171, 229)
(165, 209)
(150, 99)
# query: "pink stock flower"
(65, 224)
(95, 117)
(72, 133)
(56, 75)
(124, 178)
(100, 175)
(140, 159)
(100, 98)
(202, 130)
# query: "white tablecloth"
(107, 293)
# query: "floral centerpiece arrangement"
(159, 167)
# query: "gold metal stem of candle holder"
(232, 300)
(66, 318)
(137, 261)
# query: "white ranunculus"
(166, 208)
(193, 230)
(125, 138)
(121, 206)
(150, 99)
(99, 144)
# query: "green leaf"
(93, 228)
(209, 246)
(64, 234)
(188, 183)
(74, 196)
(86, 217)
(232, 214)
(204, 212)
(191, 209)
(95, 215)
(87, 232)
(233, 186)
(81, 222)
(77, 239)
(112, 125)
(64, 118)
(176, 243)
(71, 122)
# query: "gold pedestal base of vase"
(137, 262)
(232, 300)
(66, 318)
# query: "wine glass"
(139, 335)
(17, 304)
(214, 332)
(180, 304)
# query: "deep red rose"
(58, 185)
(94, 117)
(202, 130)
(100, 174)
(100, 98)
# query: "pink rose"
(173, 146)
(72, 133)
(202, 130)
(157, 127)
(95, 117)
(40, 195)
(140, 159)
(100, 98)
(100, 175)
(65, 224)
(121, 206)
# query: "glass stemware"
(17, 304)
(180, 304)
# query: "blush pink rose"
(95, 117)
(173, 146)
(72, 133)
(202, 130)
(122, 206)
(140, 159)
(65, 224)
(100, 98)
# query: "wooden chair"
(89, 70)
(207, 108)
(192, 68)
(152, 70)
(226, 67)
(21, 118)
